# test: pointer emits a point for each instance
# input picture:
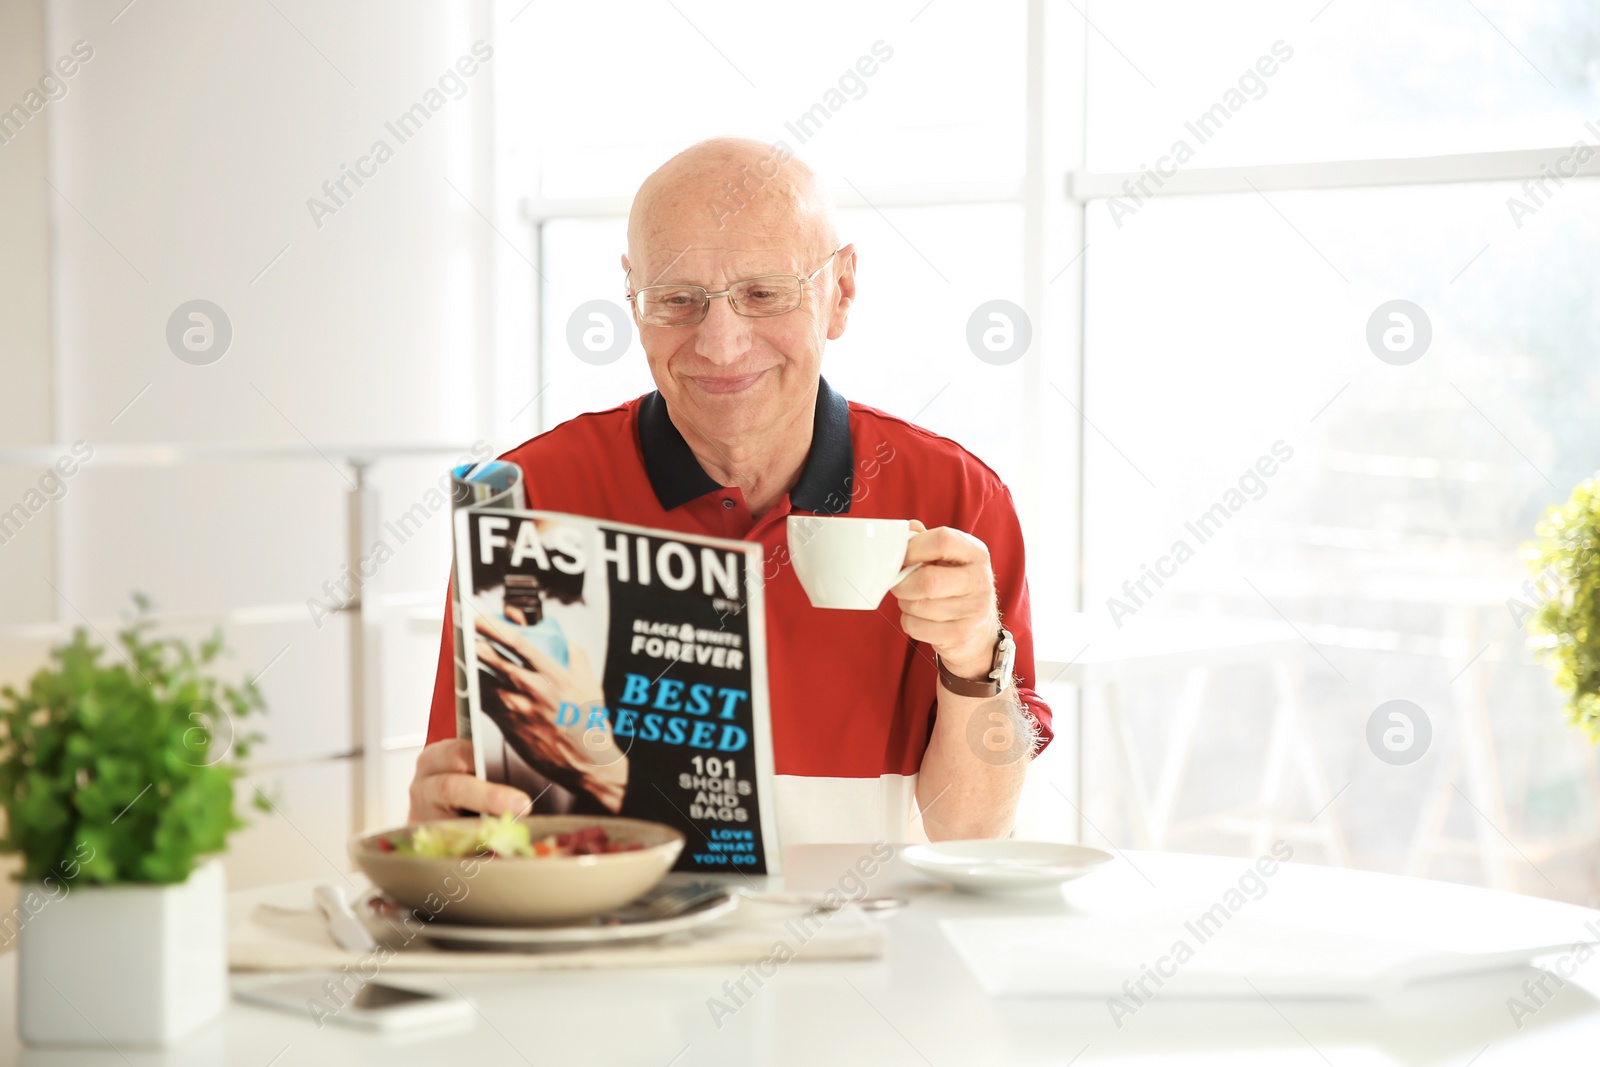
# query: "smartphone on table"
(374, 1006)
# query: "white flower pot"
(125, 964)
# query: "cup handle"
(905, 572)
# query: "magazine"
(613, 669)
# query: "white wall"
(192, 143)
(25, 377)
(25, 371)
(182, 157)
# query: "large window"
(1207, 216)
(1390, 537)
(1230, 314)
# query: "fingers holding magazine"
(554, 716)
(445, 786)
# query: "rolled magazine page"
(495, 484)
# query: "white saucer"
(588, 932)
(991, 866)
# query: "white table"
(920, 1006)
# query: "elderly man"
(918, 712)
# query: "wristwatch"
(1005, 654)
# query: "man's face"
(731, 375)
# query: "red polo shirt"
(852, 698)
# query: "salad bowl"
(539, 870)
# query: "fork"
(667, 902)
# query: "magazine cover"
(613, 669)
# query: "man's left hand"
(949, 602)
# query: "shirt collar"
(825, 480)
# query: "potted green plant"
(1566, 625)
(117, 775)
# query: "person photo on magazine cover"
(543, 693)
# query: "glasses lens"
(671, 305)
(766, 296)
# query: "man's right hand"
(445, 785)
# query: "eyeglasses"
(756, 298)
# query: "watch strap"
(984, 687)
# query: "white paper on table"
(1093, 956)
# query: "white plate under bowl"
(524, 890)
(572, 935)
(1000, 866)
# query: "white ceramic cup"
(848, 563)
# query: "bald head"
(729, 194)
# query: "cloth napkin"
(273, 938)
